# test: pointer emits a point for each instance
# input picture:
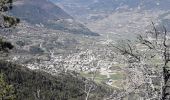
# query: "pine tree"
(6, 91)
(6, 22)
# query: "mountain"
(46, 14)
(112, 5)
(38, 11)
(118, 18)
(84, 7)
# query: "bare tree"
(155, 44)
(89, 85)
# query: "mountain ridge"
(45, 13)
(120, 17)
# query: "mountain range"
(120, 17)
(82, 7)
(67, 49)
(46, 14)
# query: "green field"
(103, 78)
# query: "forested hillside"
(39, 85)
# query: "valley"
(94, 49)
(117, 18)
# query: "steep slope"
(116, 18)
(43, 13)
(37, 85)
(125, 24)
(38, 11)
(92, 7)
